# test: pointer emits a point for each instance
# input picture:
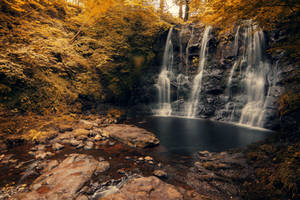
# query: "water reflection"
(185, 136)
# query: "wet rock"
(88, 145)
(131, 135)
(64, 181)
(88, 125)
(127, 157)
(109, 191)
(96, 131)
(216, 175)
(102, 167)
(80, 146)
(5, 159)
(74, 142)
(42, 155)
(160, 174)
(110, 143)
(2, 156)
(50, 165)
(2, 146)
(82, 137)
(82, 197)
(121, 171)
(39, 147)
(64, 128)
(57, 146)
(12, 161)
(148, 158)
(145, 188)
(98, 137)
(101, 159)
(79, 132)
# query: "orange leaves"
(222, 13)
(95, 9)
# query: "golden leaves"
(222, 13)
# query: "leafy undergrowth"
(277, 170)
(20, 128)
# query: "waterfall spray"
(163, 83)
(197, 83)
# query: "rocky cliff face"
(230, 89)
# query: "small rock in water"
(148, 158)
(74, 142)
(42, 155)
(131, 135)
(87, 124)
(2, 156)
(80, 131)
(82, 197)
(197, 164)
(102, 167)
(141, 159)
(81, 145)
(111, 143)
(89, 145)
(38, 148)
(127, 158)
(13, 161)
(101, 159)
(82, 137)
(98, 137)
(160, 174)
(121, 171)
(57, 146)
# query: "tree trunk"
(181, 9)
(187, 10)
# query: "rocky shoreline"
(99, 159)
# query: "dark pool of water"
(186, 136)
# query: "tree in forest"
(269, 15)
(180, 4)
(225, 13)
(187, 10)
(122, 36)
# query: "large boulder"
(131, 135)
(146, 188)
(65, 180)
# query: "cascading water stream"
(246, 97)
(255, 78)
(232, 71)
(163, 83)
(197, 83)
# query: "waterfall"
(236, 42)
(244, 96)
(197, 83)
(237, 62)
(187, 50)
(233, 69)
(163, 83)
(255, 78)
